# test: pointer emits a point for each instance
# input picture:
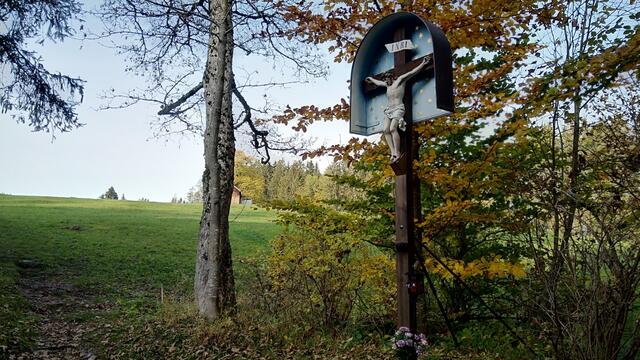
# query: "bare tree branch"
(169, 108)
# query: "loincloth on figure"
(396, 112)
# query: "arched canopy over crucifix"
(385, 54)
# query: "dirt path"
(54, 301)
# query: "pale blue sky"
(116, 147)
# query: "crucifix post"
(407, 205)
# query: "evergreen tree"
(32, 94)
(110, 194)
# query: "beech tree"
(28, 91)
(582, 105)
(553, 185)
(468, 179)
(186, 48)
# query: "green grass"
(118, 251)
(16, 320)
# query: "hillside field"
(105, 256)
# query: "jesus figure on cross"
(394, 113)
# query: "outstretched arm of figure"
(414, 71)
(375, 81)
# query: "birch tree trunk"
(214, 281)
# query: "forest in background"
(279, 180)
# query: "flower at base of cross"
(405, 343)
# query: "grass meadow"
(120, 253)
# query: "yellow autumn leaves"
(485, 267)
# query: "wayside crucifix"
(410, 58)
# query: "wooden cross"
(407, 190)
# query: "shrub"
(320, 260)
